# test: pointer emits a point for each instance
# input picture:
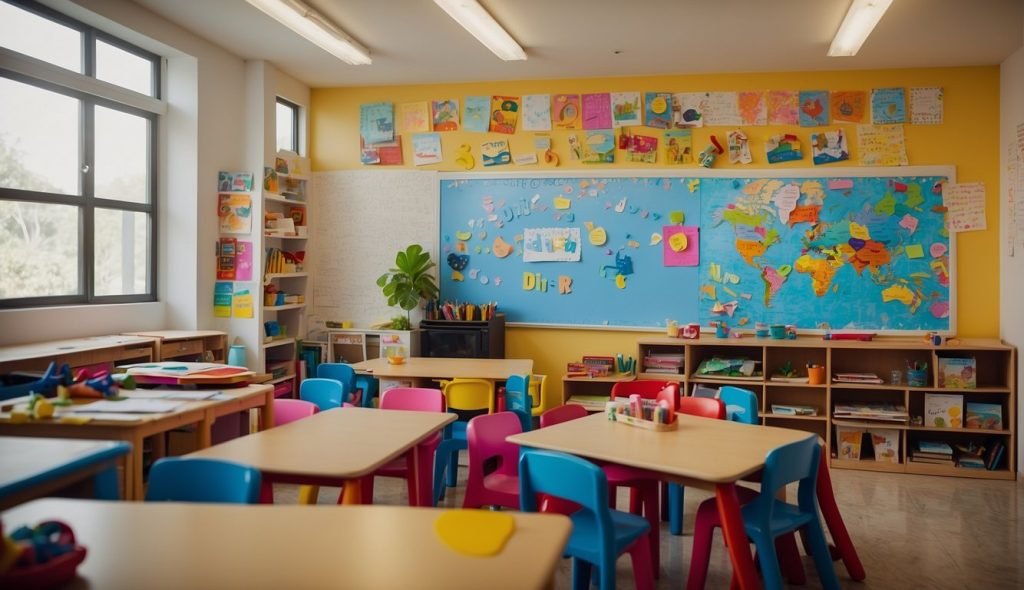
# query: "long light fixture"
(482, 25)
(310, 24)
(860, 20)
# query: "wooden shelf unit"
(189, 345)
(996, 366)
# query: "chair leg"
(675, 509)
(703, 529)
(643, 572)
(580, 574)
(267, 492)
(453, 468)
(308, 494)
(768, 559)
(822, 559)
(789, 559)
(835, 524)
(635, 497)
(648, 496)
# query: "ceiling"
(415, 42)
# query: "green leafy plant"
(409, 280)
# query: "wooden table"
(332, 447)
(168, 545)
(702, 452)
(135, 428)
(420, 368)
(77, 352)
(188, 344)
(34, 467)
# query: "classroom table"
(175, 545)
(77, 352)
(134, 428)
(701, 452)
(332, 447)
(421, 369)
(34, 467)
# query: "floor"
(911, 531)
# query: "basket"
(645, 424)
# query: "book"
(943, 410)
(958, 373)
(886, 444)
(984, 416)
(994, 456)
(791, 410)
(849, 442)
(871, 411)
(782, 379)
(728, 367)
(858, 378)
(939, 448)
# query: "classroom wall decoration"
(841, 249)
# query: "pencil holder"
(778, 331)
(917, 377)
(815, 375)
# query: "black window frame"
(295, 123)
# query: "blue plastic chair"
(340, 372)
(193, 479)
(599, 534)
(518, 400)
(325, 393)
(740, 406)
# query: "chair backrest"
(469, 394)
(290, 410)
(740, 404)
(562, 414)
(704, 407)
(538, 390)
(795, 462)
(569, 478)
(421, 399)
(339, 372)
(192, 479)
(517, 399)
(489, 452)
(646, 388)
(325, 393)
(669, 393)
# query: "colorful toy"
(45, 385)
(706, 158)
(44, 556)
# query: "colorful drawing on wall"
(834, 253)
(680, 245)
(477, 114)
(849, 105)
(597, 111)
(783, 107)
(965, 204)
(234, 211)
(643, 148)
(413, 117)
(679, 146)
(504, 114)
(783, 148)
(222, 293)
(495, 153)
(722, 109)
(234, 182)
(881, 145)
(377, 122)
(243, 261)
(426, 149)
(888, 105)
(658, 110)
(241, 301)
(926, 106)
(688, 109)
(599, 147)
(829, 146)
(445, 114)
(814, 109)
(565, 111)
(537, 112)
(551, 244)
(753, 108)
(739, 147)
(626, 109)
(271, 183)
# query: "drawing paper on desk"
(127, 406)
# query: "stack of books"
(938, 453)
(729, 368)
(875, 411)
(670, 364)
(858, 378)
(970, 456)
(791, 410)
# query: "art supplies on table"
(178, 373)
(657, 415)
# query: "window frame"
(295, 123)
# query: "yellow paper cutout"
(859, 231)
(693, 185)
(655, 239)
(676, 217)
(478, 533)
(633, 244)
(915, 251)
(709, 290)
(562, 203)
(456, 275)
(597, 236)
(589, 225)
(678, 242)
(620, 281)
(465, 157)
(463, 235)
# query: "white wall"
(1011, 268)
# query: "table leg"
(352, 492)
(736, 537)
(203, 430)
(133, 475)
(267, 411)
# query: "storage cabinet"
(353, 345)
(189, 345)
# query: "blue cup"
(778, 331)
(722, 331)
(236, 355)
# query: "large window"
(77, 162)
(287, 116)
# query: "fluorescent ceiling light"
(859, 22)
(310, 24)
(475, 19)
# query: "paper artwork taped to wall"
(495, 153)
(599, 147)
(783, 107)
(658, 110)
(504, 114)
(377, 122)
(235, 213)
(926, 106)
(565, 111)
(888, 105)
(426, 149)
(537, 112)
(445, 114)
(477, 114)
(413, 117)
(753, 108)
(626, 110)
(679, 146)
(849, 106)
(829, 146)
(722, 109)
(597, 111)
(814, 108)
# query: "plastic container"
(917, 377)
(778, 331)
(236, 355)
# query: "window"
(287, 125)
(77, 164)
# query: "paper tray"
(646, 424)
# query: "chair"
(493, 462)
(766, 518)
(325, 393)
(184, 479)
(693, 406)
(344, 374)
(290, 410)
(543, 397)
(599, 534)
(517, 399)
(740, 404)
(646, 388)
(467, 398)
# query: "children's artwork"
(222, 293)
(813, 108)
(575, 149)
(413, 117)
(377, 122)
(849, 105)
(565, 111)
(881, 145)
(886, 443)
(888, 106)
(679, 146)
(241, 302)
(551, 244)
(597, 111)
(984, 416)
(739, 148)
(271, 183)
(829, 146)
(849, 442)
(958, 373)
(445, 114)
(599, 147)
(658, 111)
(783, 148)
(943, 410)
(537, 112)
(281, 166)
(783, 107)
(926, 106)
(243, 261)
(680, 245)
(753, 108)
(965, 206)
(477, 114)
(235, 213)
(426, 149)
(643, 148)
(496, 153)
(227, 253)
(234, 182)
(722, 109)
(688, 109)
(389, 153)
(625, 109)
(504, 114)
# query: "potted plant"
(409, 281)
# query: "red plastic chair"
(704, 407)
(290, 410)
(646, 388)
(493, 478)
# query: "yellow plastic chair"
(468, 398)
(543, 397)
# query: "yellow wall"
(967, 139)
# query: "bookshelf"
(994, 367)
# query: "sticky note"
(915, 251)
(562, 203)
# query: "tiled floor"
(911, 531)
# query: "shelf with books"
(285, 307)
(966, 431)
(773, 415)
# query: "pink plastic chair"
(290, 410)
(499, 485)
(418, 399)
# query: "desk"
(332, 447)
(77, 352)
(205, 345)
(32, 468)
(168, 545)
(429, 368)
(702, 452)
(135, 428)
